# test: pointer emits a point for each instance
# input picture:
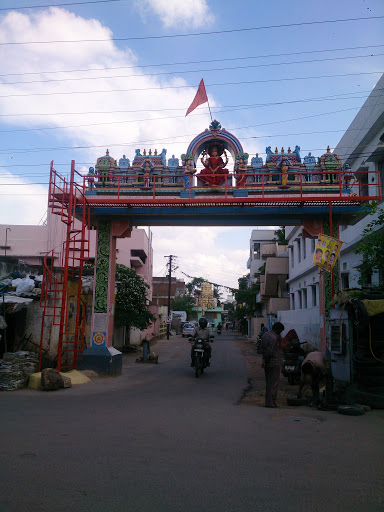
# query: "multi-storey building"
(362, 150)
(268, 265)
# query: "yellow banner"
(327, 251)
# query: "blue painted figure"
(91, 177)
(309, 162)
(124, 165)
(347, 177)
(257, 163)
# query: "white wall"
(305, 322)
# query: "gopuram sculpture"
(284, 171)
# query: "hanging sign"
(327, 250)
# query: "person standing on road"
(271, 351)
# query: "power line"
(155, 119)
(194, 34)
(194, 61)
(58, 5)
(162, 73)
(167, 139)
(146, 89)
(214, 284)
(216, 109)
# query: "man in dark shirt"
(271, 351)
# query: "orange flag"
(200, 98)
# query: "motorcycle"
(294, 356)
(218, 330)
(199, 355)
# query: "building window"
(300, 299)
(304, 293)
(292, 301)
(292, 257)
(344, 281)
(256, 251)
(304, 249)
(314, 296)
(313, 244)
(298, 251)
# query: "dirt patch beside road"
(254, 394)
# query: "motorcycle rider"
(203, 332)
(218, 328)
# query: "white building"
(258, 238)
(303, 287)
(268, 265)
(362, 147)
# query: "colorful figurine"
(214, 171)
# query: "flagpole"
(209, 109)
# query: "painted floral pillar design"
(102, 266)
(101, 321)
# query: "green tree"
(280, 234)
(184, 303)
(246, 297)
(371, 244)
(131, 309)
(194, 287)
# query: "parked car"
(188, 329)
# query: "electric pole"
(171, 256)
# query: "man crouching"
(317, 367)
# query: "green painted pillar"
(104, 289)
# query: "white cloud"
(122, 133)
(198, 254)
(21, 202)
(177, 13)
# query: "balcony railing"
(263, 186)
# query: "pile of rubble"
(15, 369)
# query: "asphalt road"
(157, 439)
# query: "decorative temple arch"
(215, 134)
(285, 189)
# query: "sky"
(83, 76)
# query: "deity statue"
(147, 173)
(91, 177)
(189, 171)
(240, 169)
(214, 166)
(284, 172)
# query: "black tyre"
(197, 366)
(351, 410)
